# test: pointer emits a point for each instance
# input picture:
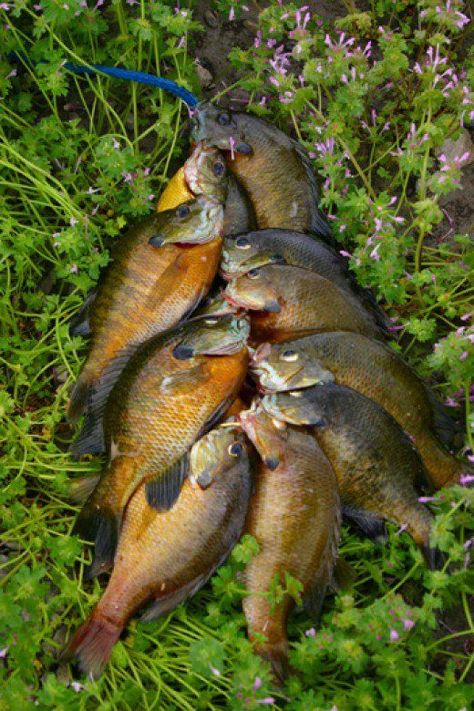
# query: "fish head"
(220, 128)
(286, 366)
(215, 453)
(267, 435)
(241, 254)
(253, 291)
(205, 172)
(195, 221)
(213, 335)
(217, 306)
(297, 407)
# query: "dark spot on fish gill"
(273, 307)
(183, 352)
(156, 241)
(244, 148)
(277, 259)
(271, 463)
(204, 479)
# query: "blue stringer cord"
(127, 75)
(140, 77)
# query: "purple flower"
(73, 221)
(408, 624)
(231, 14)
(74, 269)
(76, 686)
(115, 143)
(426, 499)
(257, 683)
(4, 6)
(3, 652)
(311, 632)
(151, 197)
(394, 635)
(465, 479)
(463, 355)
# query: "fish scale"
(295, 518)
(165, 557)
(158, 408)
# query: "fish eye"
(211, 321)
(183, 211)
(253, 273)
(289, 356)
(235, 449)
(277, 258)
(223, 119)
(242, 243)
(295, 393)
(218, 169)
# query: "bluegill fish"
(274, 170)
(293, 302)
(376, 464)
(374, 370)
(244, 252)
(166, 557)
(149, 288)
(198, 177)
(174, 389)
(295, 517)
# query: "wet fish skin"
(376, 464)
(147, 289)
(295, 518)
(374, 370)
(243, 252)
(274, 170)
(214, 453)
(165, 557)
(157, 410)
(299, 303)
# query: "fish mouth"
(235, 302)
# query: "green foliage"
(80, 158)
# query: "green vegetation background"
(82, 158)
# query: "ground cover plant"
(373, 97)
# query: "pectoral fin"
(162, 492)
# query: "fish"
(243, 252)
(165, 558)
(295, 302)
(274, 169)
(374, 370)
(153, 282)
(295, 517)
(170, 393)
(378, 468)
(198, 177)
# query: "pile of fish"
(276, 410)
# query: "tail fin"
(79, 397)
(100, 524)
(92, 644)
(445, 425)
(81, 488)
(277, 654)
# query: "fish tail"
(81, 488)
(447, 428)
(92, 643)
(419, 521)
(443, 468)
(276, 652)
(79, 396)
(100, 523)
